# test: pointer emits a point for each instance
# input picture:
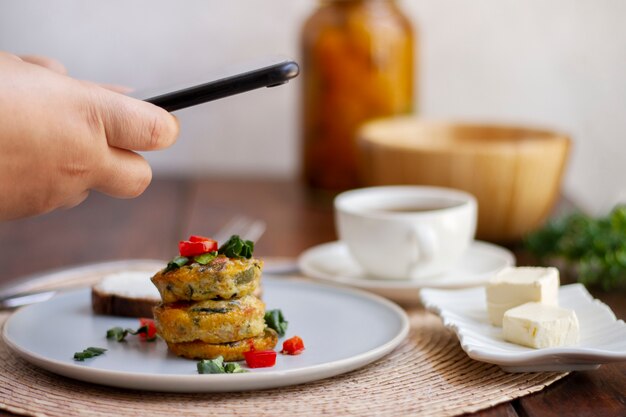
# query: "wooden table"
(103, 229)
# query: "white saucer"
(333, 262)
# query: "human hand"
(56, 66)
(61, 137)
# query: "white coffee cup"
(406, 232)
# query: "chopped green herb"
(88, 353)
(205, 258)
(120, 334)
(235, 247)
(217, 366)
(211, 366)
(117, 333)
(176, 263)
(274, 319)
(233, 368)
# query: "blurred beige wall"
(557, 64)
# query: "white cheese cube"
(539, 325)
(515, 286)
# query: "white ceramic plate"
(342, 330)
(602, 336)
(332, 262)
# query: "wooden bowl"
(514, 172)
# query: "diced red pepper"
(196, 238)
(293, 346)
(260, 358)
(151, 332)
(190, 248)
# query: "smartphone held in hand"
(266, 73)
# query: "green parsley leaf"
(233, 368)
(120, 334)
(117, 333)
(88, 353)
(274, 319)
(176, 263)
(205, 258)
(235, 247)
(218, 366)
(211, 366)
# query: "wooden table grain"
(104, 229)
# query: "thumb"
(136, 125)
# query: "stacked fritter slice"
(211, 310)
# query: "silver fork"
(246, 228)
(253, 229)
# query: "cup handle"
(426, 243)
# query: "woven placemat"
(428, 374)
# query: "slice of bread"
(129, 294)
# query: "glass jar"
(357, 64)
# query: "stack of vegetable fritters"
(209, 306)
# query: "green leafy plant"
(594, 247)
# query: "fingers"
(122, 89)
(136, 125)
(8, 55)
(127, 125)
(124, 174)
(75, 200)
(43, 61)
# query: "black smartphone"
(235, 81)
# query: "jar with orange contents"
(357, 64)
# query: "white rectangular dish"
(602, 336)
